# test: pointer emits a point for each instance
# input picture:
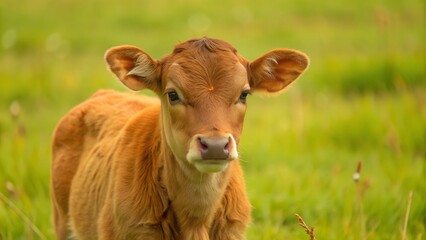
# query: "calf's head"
(203, 85)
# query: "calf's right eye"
(173, 97)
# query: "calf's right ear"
(133, 67)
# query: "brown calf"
(134, 167)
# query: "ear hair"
(143, 67)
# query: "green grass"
(305, 164)
(363, 98)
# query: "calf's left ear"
(276, 69)
(133, 67)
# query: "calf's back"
(84, 145)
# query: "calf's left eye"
(243, 96)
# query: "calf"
(135, 167)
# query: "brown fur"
(120, 167)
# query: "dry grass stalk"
(407, 214)
(14, 208)
(309, 231)
(357, 173)
(361, 188)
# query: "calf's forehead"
(209, 63)
(212, 72)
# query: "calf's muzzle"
(214, 148)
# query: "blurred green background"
(363, 99)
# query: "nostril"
(203, 145)
(227, 144)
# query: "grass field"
(363, 99)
